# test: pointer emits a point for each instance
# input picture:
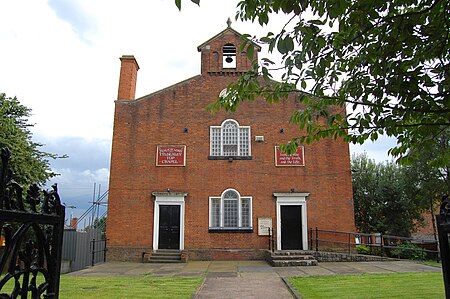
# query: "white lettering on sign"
(171, 155)
(296, 159)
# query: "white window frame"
(222, 214)
(221, 128)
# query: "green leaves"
(178, 3)
(386, 65)
(29, 164)
(372, 67)
(382, 200)
(285, 44)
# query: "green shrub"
(407, 250)
(362, 249)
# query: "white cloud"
(61, 59)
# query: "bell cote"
(220, 55)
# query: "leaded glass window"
(230, 139)
(230, 211)
(215, 212)
(245, 211)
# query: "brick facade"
(176, 116)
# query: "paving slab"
(406, 266)
(303, 271)
(255, 269)
(368, 267)
(269, 286)
(221, 274)
(223, 266)
(340, 268)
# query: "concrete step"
(157, 253)
(292, 252)
(163, 261)
(165, 256)
(292, 257)
(293, 263)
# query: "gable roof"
(228, 29)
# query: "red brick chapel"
(210, 185)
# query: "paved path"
(246, 279)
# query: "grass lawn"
(127, 287)
(396, 285)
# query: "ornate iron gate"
(32, 230)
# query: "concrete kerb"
(291, 288)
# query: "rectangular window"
(215, 141)
(245, 212)
(215, 212)
(244, 141)
(230, 213)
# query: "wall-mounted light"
(259, 138)
(185, 130)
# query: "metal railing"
(443, 226)
(373, 244)
(32, 231)
(95, 251)
(271, 239)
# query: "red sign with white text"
(171, 155)
(296, 159)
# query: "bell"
(228, 59)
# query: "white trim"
(163, 198)
(292, 199)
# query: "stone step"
(293, 263)
(292, 252)
(157, 253)
(164, 256)
(292, 257)
(163, 261)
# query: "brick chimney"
(73, 222)
(128, 77)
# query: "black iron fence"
(373, 244)
(271, 239)
(98, 252)
(31, 230)
(78, 247)
(443, 225)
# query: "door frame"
(292, 199)
(167, 199)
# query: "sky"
(61, 59)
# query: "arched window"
(230, 139)
(229, 56)
(230, 211)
